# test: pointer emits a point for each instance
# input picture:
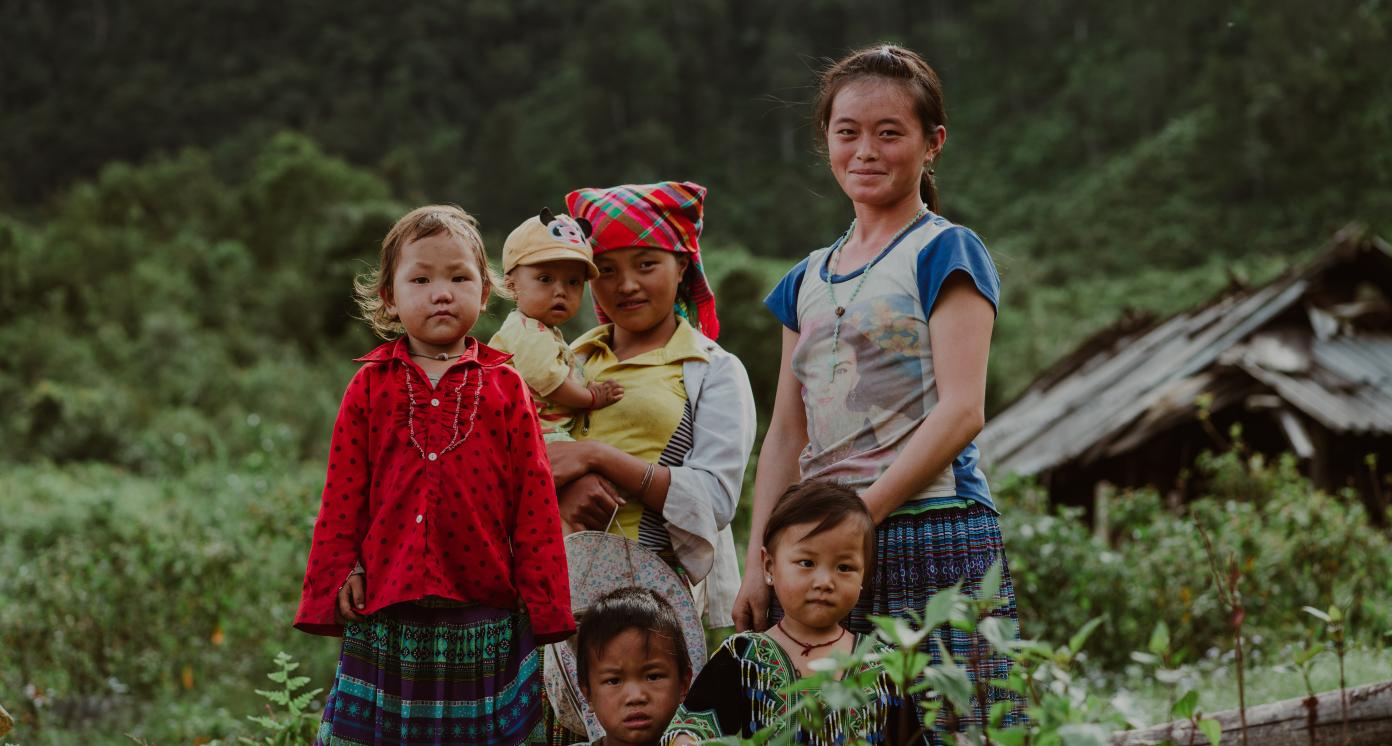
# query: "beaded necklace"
(865, 272)
(455, 439)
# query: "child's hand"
(352, 598)
(605, 393)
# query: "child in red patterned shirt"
(437, 553)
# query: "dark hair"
(826, 503)
(895, 63)
(617, 612)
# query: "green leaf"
(1001, 634)
(1335, 615)
(998, 712)
(940, 606)
(1316, 613)
(1160, 639)
(1212, 729)
(899, 633)
(299, 703)
(1014, 736)
(963, 624)
(950, 680)
(1308, 654)
(990, 582)
(278, 697)
(1185, 706)
(1079, 638)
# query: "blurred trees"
(1083, 134)
(1109, 157)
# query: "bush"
(135, 589)
(1294, 545)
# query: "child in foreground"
(632, 665)
(546, 261)
(817, 544)
(437, 552)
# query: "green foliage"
(1084, 141)
(1060, 708)
(1293, 544)
(292, 724)
(161, 307)
(147, 588)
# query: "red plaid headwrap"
(665, 215)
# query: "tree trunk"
(1313, 721)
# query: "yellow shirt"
(541, 355)
(642, 423)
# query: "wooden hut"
(1303, 363)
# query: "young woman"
(665, 464)
(883, 375)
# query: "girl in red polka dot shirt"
(437, 552)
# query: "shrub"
(1295, 546)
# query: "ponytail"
(928, 190)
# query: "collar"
(474, 352)
(686, 344)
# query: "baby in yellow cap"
(547, 260)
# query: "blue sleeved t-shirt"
(869, 383)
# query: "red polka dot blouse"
(442, 491)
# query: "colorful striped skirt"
(414, 674)
(916, 555)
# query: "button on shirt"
(442, 491)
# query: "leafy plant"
(292, 724)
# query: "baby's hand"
(605, 393)
(352, 597)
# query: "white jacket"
(706, 488)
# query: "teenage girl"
(883, 374)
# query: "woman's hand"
(588, 502)
(570, 460)
(352, 597)
(752, 603)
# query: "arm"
(960, 333)
(778, 468)
(538, 552)
(598, 395)
(572, 460)
(344, 514)
(626, 472)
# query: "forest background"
(187, 189)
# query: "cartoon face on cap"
(565, 228)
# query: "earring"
(768, 579)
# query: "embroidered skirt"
(916, 555)
(415, 674)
